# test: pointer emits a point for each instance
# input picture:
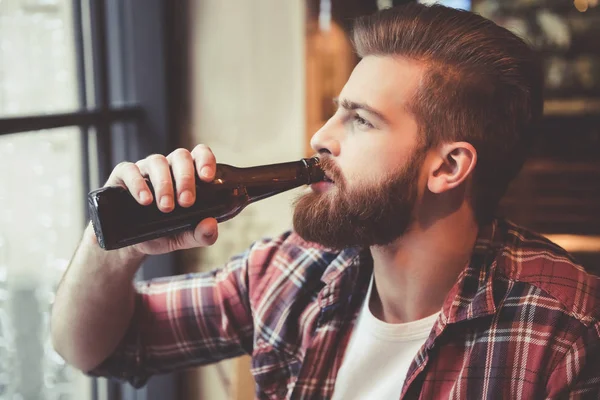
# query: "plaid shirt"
(522, 321)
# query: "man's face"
(371, 151)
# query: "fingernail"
(145, 196)
(166, 202)
(186, 197)
(206, 172)
(210, 233)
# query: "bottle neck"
(298, 173)
(267, 180)
(256, 193)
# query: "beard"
(367, 215)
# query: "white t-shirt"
(378, 356)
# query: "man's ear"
(453, 164)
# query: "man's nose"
(326, 139)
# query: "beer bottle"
(119, 220)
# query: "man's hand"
(180, 187)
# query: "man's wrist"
(129, 256)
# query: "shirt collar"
(345, 280)
(472, 296)
(345, 259)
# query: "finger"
(129, 176)
(182, 166)
(205, 234)
(205, 162)
(156, 167)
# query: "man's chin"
(324, 241)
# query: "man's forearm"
(94, 303)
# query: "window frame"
(122, 90)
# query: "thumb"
(205, 234)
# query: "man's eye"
(358, 120)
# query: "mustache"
(331, 169)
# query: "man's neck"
(414, 274)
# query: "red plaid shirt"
(522, 321)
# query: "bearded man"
(397, 280)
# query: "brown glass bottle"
(119, 220)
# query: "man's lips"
(322, 186)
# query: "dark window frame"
(124, 105)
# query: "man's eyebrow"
(352, 105)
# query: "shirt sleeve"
(577, 374)
(184, 321)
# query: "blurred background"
(85, 84)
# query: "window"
(72, 105)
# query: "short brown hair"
(482, 85)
